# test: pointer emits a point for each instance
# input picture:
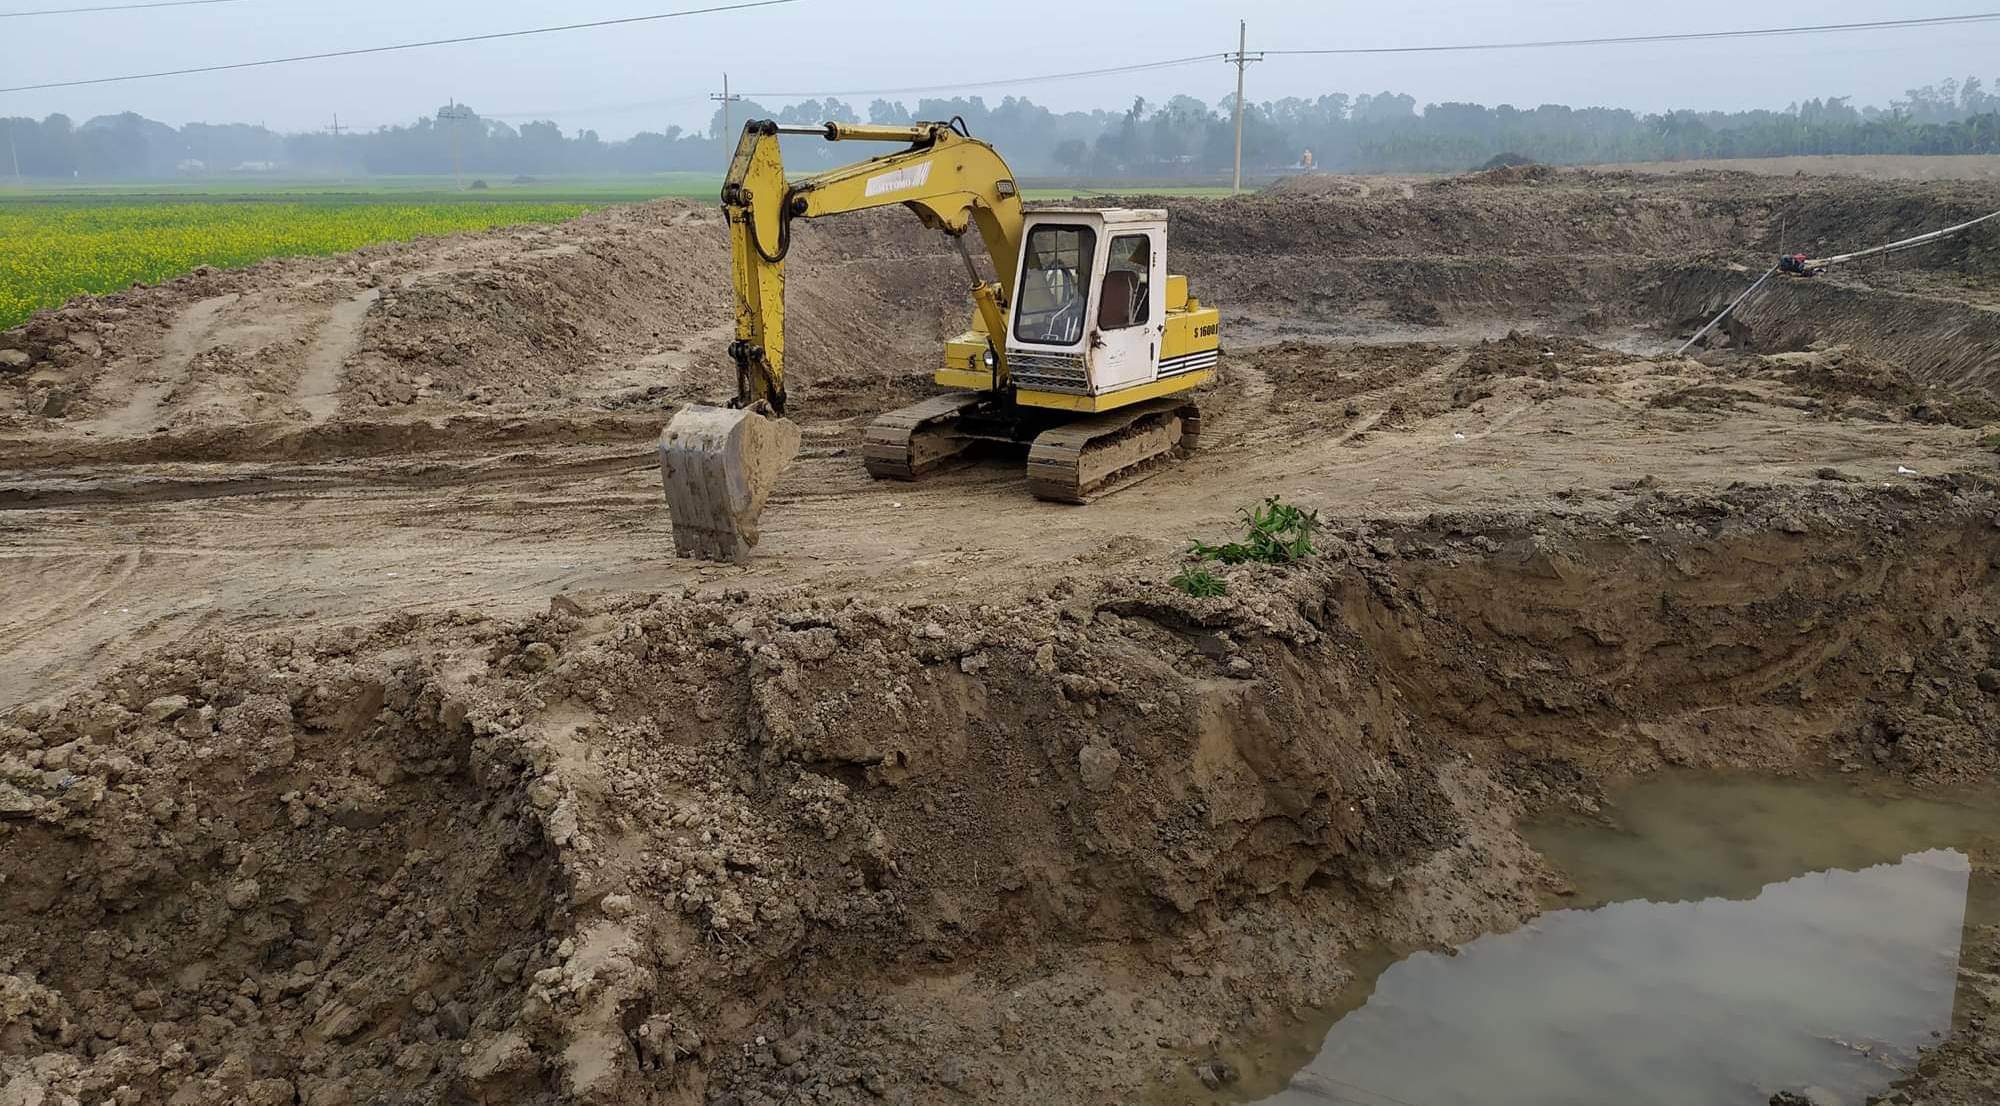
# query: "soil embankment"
(649, 848)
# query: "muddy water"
(1727, 939)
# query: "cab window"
(1055, 284)
(1126, 300)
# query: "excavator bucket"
(719, 465)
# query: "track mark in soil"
(146, 387)
(70, 597)
(257, 480)
(318, 390)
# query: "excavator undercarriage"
(1069, 460)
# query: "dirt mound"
(626, 309)
(1512, 174)
(270, 872)
(1850, 383)
(1317, 373)
(1547, 357)
(1926, 167)
(1304, 185)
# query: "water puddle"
(1727, 939)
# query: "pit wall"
(1946, 344)
(677, 849)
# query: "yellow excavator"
(1083, 349)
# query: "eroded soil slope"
(749, 849)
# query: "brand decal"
(899, 180)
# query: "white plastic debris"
(1902, 471)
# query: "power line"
(743, 5)
(1692, 36)
(1625, 40)
(1168, 63)
(116, 8)
(553, 114)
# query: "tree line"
(1183, 138)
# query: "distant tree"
(1181, 136)
(888, 111)
(1073, 155)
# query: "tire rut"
(318, 389)
(148, 386)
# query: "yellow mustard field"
(52, 252)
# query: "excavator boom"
(719, 463)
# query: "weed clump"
(1199, 582)
(1274, 532)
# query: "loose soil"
(1867, 166)
(363, 741)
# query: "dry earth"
(363, 742)
(1869, 166)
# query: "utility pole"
(15, 155)
(457, 160)
(333, 153)
(726, 99)
(1240, 59)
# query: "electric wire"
(1618, 40)
(116, 8)
(1137, 67)
(596, 109)
(742, 5)
(1687, 36)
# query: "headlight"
(989, 358)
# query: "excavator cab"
(1097, 323)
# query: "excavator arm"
(952, 182)
(719, 464)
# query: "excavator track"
(1093, 457)
(909, 442)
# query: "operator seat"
(1119, 305)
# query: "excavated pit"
(737, 849)
(947, 795)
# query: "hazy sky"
(625, 79)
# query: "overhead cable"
(116, 8)
(742, 5)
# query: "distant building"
(191, 166)
(256, 167)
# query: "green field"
(60, 241)
(428, 189)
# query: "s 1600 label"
(1209, 331)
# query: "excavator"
(1081, 349)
